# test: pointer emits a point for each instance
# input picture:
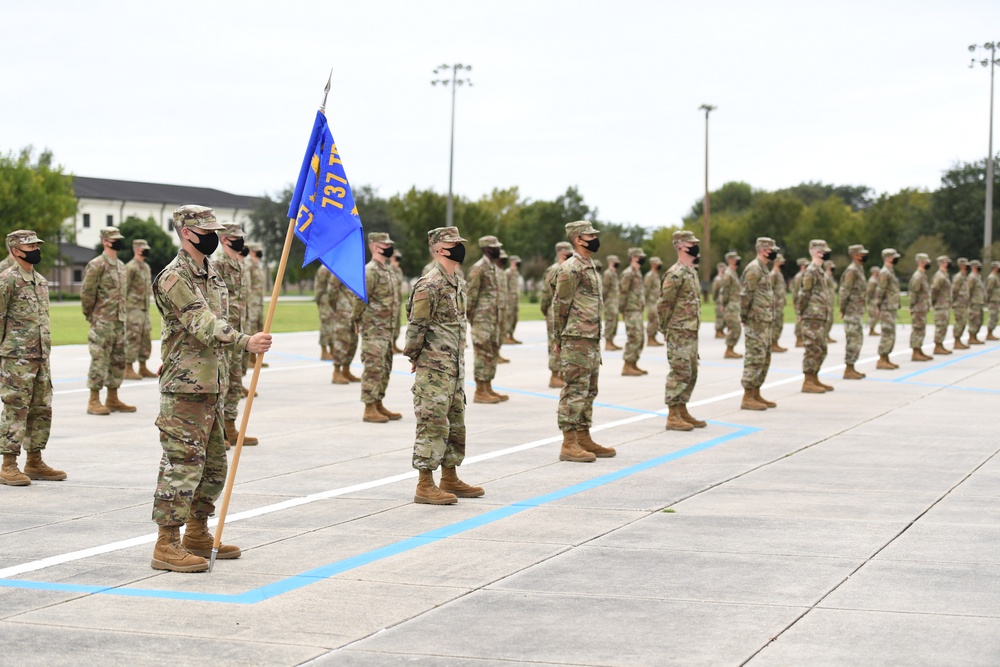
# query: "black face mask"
(739, 262)
(32, 256)
(259, 254)
(947, 266)
(693, 250)
(492, 253)
(864, 258)
(144, 252)
(207, 243)
(826, 255)
(771, 255)
(593, 245)
(117, 244)
(456, 254)
(244, 251)
(893, 261)
(505, 262)
(642, 261)
(236, 244)
(387, 252)
(697, 260)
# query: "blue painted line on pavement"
(326, 571)
(937, 385)
(941, 365)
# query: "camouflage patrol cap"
(922, 257)
(890, 252)
(683, 236)
(613, 259)
(802, 261)
(564, 246)
(489, 242)
(875, 270)
(732, 254)
(503, 254)
(598, 264)
(192, 215)
(574, 229)
(995, 264)
(379, 237)
(962, 261)
(655, 260)
(819, 244)
(140, 243)
(515, 258)
(828, 264)
(444, 235)
(720, 266)
(111, 234)
(232, 230)
(943, 259)
(253, 245)
(976, 263)
(857, 249)
(22, 236)
(779, 258)
(764, 242)
(636, 252)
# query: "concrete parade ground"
(859, 527)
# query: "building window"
(86, 220)
(78, 275)
(111, 221)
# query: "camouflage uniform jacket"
(679, 306)
(341, 297)
(237, 280)
(716, 288)
(24, 315)
(578, 303)
(813, 301)
(920, 292)
(887, 294)
(513, 284)
(321, 285)
(548, 287)
(435, 336)
(872, 287)
(941, 291)
(6, 263)
(378, 315)
(102, 295)
(729, 291)
(610, 286)
(853, 290)
(630, 293)
(485, 294)
(138, 285)
(778, 287)
(993, 289)
(796, 288)
(756, 296)
(194, 302)
(960, 291)
(258, 285)
(977, 292)
(651, 290)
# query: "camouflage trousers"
(757, 357)
(872, 316)
(580, 361)
(733, 327)
(553, 353)
(106, 341)
(652, 321)
(720, 319)
(994, 317)
(344, 339)
(961, 319)
(975, 319)
(854, 335)
(829, 322)
(798, 327)
(634, 337)
(814, 339)
(439, 406)
(919, 331)
(256, 319)
(682, 353)
(887, 320)
(193, 466)
(325, 324)
(777, 324)
(510, 320)
(234, 386)
(486, 346)
(376, 355)
(138, 344)
(610, 322)
(941, 319)
(26, 391)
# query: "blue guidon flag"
(326, 217)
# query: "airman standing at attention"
(941, 302)
(887, 305)
(780, 291)
(960, 302)
(803, 263)
(631, 299)
(853, 289)
(343, 332)
(651, 291)
(7, 261)
(138, 290)
(757, 314)
(484, 312)
(610, 286)
(502, 262)
(258, 286)
(813, 306)
(920, 303)
(25, 345)
(977, 301)
(563, 252)
(513, 298)
(720, 319)
(679, 315)
(579, 310)
(831, 286)
(397, 271)
(729, 297)
(870, 300)
(324, 304)
(993, 299)
(102, 297)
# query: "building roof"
(76, 254)
(134, 191)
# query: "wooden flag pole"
(230, 480)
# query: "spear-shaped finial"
(326, 91)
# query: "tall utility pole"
(455, 82)
(991, 61)
(706, 256)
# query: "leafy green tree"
(416, 212)
(732, 197)
(269, 227)
(933, 245)
(162, 248)
(858, 197)
(895, 221)
(959, 207)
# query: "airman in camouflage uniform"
(796, 288)
(563, 252)
(344, 333)
(941, 303)
(485, 315)
(502, 263)
(198, 343)
(632, 299)
(870, 300)
(102, 297)
(435, 344)
(960, 302)
(375, 321)
(138, 289)
(920, 303)
(324, 304)
(25, 343)
(651, 291)
(729, 299)
(513, 298)
(258, 286)
(757, 315)
(720, 319)
(7, 262)
(678, 313)
(610, 284)
(853, 288)
(780, 291)
(578, 307)
(887, 305)
(831, 286)
(977, 301)
(813, 307)
(993, 299)
(397, 272)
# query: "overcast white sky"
(598, 94)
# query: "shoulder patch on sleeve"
(169, 282)
(561, 277)
(419, 296)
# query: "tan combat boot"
(94, 406)
(556, 382)
(116, 405)
(393, 416)
(338, 375)
(761, 399)
(750, 401)
(428, 492)
(144, 371)
(884, 364)
(990, 336)
(828, 387)
(571, 450)
(872, 332)
(731, 353)
(587, 444)
(324, 354)
(168, 554)
(450, 483)
(918, 355)
(798, 342)
(483, 395)
(130, 373)
(974, 340)
(10, 474)
(631, 370)
(850, 373)
(675, 422)
(941, 349)
(232, 435)
(395, 348)
(959, 345)
(610, 346)
(720, 334)
(652, 342)
(346, 369)
(811, 385)
(682, 411)
(489, 388)
(829, 339)
(35, 468)
(373, 415)
(198, 541)
(777, 348)
(502, 360)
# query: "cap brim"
(210, 226)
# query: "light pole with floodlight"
(455, 82)
(991, 61)
(706, 256)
